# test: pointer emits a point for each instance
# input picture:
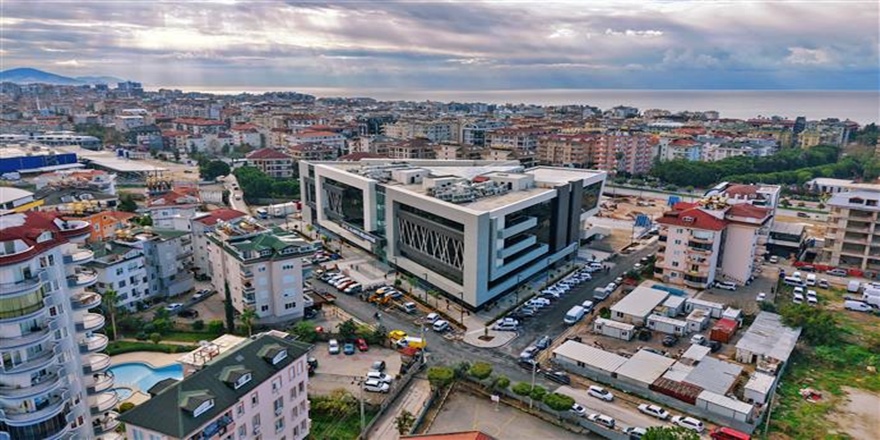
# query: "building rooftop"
(223, 214)
(788, 228)
(267, 153)
(769, 337)
(694, 218)
(861, 200)
(645, 367)
(592, 356)
(9, 194)
(640, 302)
(714, 375)
(208, 351)
(171, 412)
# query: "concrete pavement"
(623, 414)
(413, 399)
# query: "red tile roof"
(694, 218)
(741, 190)
(28, 226)
(747, 210)
(198, 121)
(267, 153)
(220, 214)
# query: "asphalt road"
(623, 416)
(236, 197)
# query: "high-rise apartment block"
(853, 236)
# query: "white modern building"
(168, 257)
(473, 229)
(122, 269)
(202, 224)
(262, 267)
(52, 373)
(853, 235)
(257, 390)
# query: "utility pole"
(461, 309)
(534, 370)
(360, 384)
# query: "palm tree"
(404, 422)
(412, 281)
(109, 299)
(247, 318)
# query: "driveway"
(464, 412)
(624, 413)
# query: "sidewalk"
(414, 399)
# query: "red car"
(361, 344)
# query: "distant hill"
(27, 75)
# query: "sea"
(861, 106)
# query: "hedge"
(119, 347)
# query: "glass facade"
(590, 197)
(344, 203)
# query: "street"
(236, 195)
(623, 415)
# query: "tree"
(558, 402)
(305, 331)
(522, 388)
(126, 406)
(109, 301)
(198, 325)
(230, 310)
(500, 383)
(480, 370)
(538, 393)
(214, 169)
(347, 329)
(247, 318)
(819, 326)
(669, 433)
(155, 337)
(127, 203)
(339, 401)
(440, 377)
(404, 422)
(215, 327)
(413, 282)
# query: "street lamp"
(360, 384)
(461, 309)
(534, 370)
(426, 290)
(518, 276)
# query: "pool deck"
(148, 357)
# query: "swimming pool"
(140, 376)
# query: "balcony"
(697, 239)
(90, 322)
(28, 284)
(33, 311)
(79, 256)
(42, 385)
(82, 279)
(96, 342)
(96, 362)
(218, 427)
(37, 335)
(85, 300)
(699, 249)
(99, 382)
(105, 423)
(101, 403)
(43, 359)
(249, 299)
(858, 227)
(50, 408)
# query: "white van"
(853, 286)
(811, 279)
(574, 315)
(792, 281)
(858, 306)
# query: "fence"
(392, 395)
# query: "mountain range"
(27, 75)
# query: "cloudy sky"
(455, 45)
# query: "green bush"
(216, 327)
(481, 370)
(142, 336)
(522, 389)
(119, 347)
(126, 406)
(198, 325)
(538, 393)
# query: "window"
(245, 378)
(122, 284)
(302, 387)
(292, 394)
(204, 407)
(137, 434)
(239, 409)
(264, 308)
(256, 422)
(242, 431)
(289, 306)
(276, 385)
(291, 373)
(255, 399)
(294, 413)
(119, 271)
(278, 406)
(303, 425)
(675, 264)
(677, 241)
(279, 425)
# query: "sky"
(454, 45)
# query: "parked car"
(529, 352)
(578, 410)
(823, 283)
(761, 297)
(635, 432)
(544, 342)
(714, 346)
(188, 313)
(837, 272)
(440, 326)
(348, 348)
(380, 376)
(506, 324)
(431, 318)
(173, 307)
(204, 293)
(333, 346)
(600, 393)
(698, 339)
(558, 376)
(798, 298)
(654, 411)
(529, 364)
(602, 419)
(361, 344)
(396, 334)
(587, 305)
(688, 423)
(375, 386)
(726, 285)
(670, 340)
(378, 366)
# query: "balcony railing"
(99, 382)
(91, 344)
(82, 279)
(105, 422)
(101, 403)
(41, 385)
(49, 408)
(95, 363)
(28, 284)
(79, 256)
(32, 311)
(85, 300)
(90, 322)
(44, 358)
(36, 335)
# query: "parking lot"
(342, 371)
(464, 412)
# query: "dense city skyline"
(459, 46)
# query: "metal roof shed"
(725, 406)
(636, 306)
(758, 388)
(767, 337)
(644, 368)
(714, 375)
(588, 357)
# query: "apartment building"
(624, 151)
(271, 162)
(312, 152)
(435, 131)
(53, 383)
(473, 229)
(566, 150)
(680, 148)
(476, 132)
(262, 267)
(202, 224)
(173, 208)
(711, 240)
(853, 235)
(122, 269)
(257, 390)
(106, 223)
(246, 134)
(168, 255)
(329, 138)
(419, 148)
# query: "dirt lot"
(861, 414)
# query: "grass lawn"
(827, 369)
(336, 426)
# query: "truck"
(409, 341)
(853, 286)
(283, 209)
(262, 213)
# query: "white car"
(698, 340)
(587, 305)
(798, 298)
(536, 303)
(688, 423)
(726, 285)
(173, 307)
(540, 300)
(578, 409)
(602, 419)
(376, 386)
(654, 411)
(529, 352)
(334, 346)
(381, 377)
(600, 393)
(431, 318)
(440, 326)
(635, 432)
(761, 297)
